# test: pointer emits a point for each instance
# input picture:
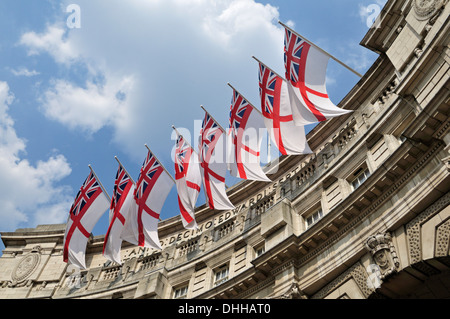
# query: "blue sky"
(73, 96)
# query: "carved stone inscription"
(26, 266)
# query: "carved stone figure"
(294, 292)
(425, 9)
(383, 253)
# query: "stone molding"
(413, 228)
(425, 9)
(264, 283)
(373, 206)
(294, 292)
(26, 266)
(357, 272)
(442, 239)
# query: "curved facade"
(366, 216)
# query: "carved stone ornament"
(383, 253)
(424, 9)
(26, 266)
(293, 292)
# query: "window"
(360, 176)
(181, 293)
(314, 217)
(259, 250)
(225, 229)
(221, 275)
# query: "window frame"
(361, 171)
(315, 216)
(224, 272)
(180, 289)
(259, 250)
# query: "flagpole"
(245, 99)
(160, 163)
(269, 68)
(322, 50)
(124, 169)
(98, 180)
(184, 139)
(225, 132)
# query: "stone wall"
(313, 232)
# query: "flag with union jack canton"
(121, 200)
(188, 180)
(246, 128)
(89, 205)
(152, 188)
(213, 164)
(306, 67)
(275, 106)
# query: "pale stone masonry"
(366, 216)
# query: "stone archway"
(423, 271)
(428, 279)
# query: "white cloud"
(359, 57)
(10, 144)
(167, 57)
(26, 190)
(370, 12)
(53, 41)
(329, 80)
(89, 108)
(24, 72)
(233, 24)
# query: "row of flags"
(286, 106)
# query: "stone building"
(366, 216)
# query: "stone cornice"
(348, 202)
